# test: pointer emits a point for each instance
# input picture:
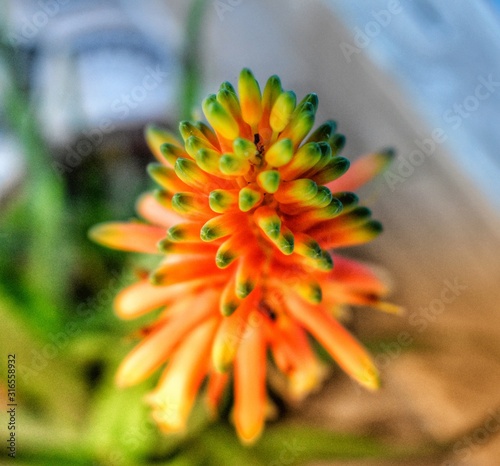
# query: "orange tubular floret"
(157, 347)
(342, 346)
(135, 237)
(174, 396)
(249, 385)
(152, 211)
(143, 297)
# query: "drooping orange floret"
(246, 216)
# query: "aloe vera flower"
(247, 215)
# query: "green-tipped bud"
(337, 143)
(189, 172)
(272, 91)
(221, 200)
(244, 148)
(286, 242)
(208, 160)
(269, 180)
(163, 197)
(184, 232)
(300, 125)
(208, 133)
(325, 262)
(268, 221)
(195, 144)
(307, 247)
(244, 289)
(310, 291)
(165, 177)
(189, 203)
(282, 111)
(187, 129)
(335, 168)
(296, 191)
(250, 98)
(216, 228)
(222, 121)
(232, 164)
(224, 258)
(323, 132)
(306, 157)
(230, 102)
(347, 199)
(310, 102)
(171, 152)
(249, 198)
(280, 153)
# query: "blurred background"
(79, 79)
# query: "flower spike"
(247, 216)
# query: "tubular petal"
(231, 332)
(250, 98)
(174, 396)
(352, 236)
(217, 383)
(166, 178)
(269, 180)
(342, 346)
(183, 271)
(249, 197)
(152, 352)
(151, 210)
(222, 121)
(155, 137)
(280, 153)
(249, 385)
(268, 221)
(221, 226)
(246, 278)
(135, 237)
(185, 232)
(304, 159)
(363, 170)
(282, 111)
(223, 200)
(142, 297)
(296, 190)
(192, 175)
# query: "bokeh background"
(79, 79)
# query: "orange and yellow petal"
(134, 237)
(173, 398)
(149, 355)
(342, 346)
(249, 385)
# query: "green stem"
(45, 272)
(191, 59)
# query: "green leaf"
(295, 444)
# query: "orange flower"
(246, 214)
